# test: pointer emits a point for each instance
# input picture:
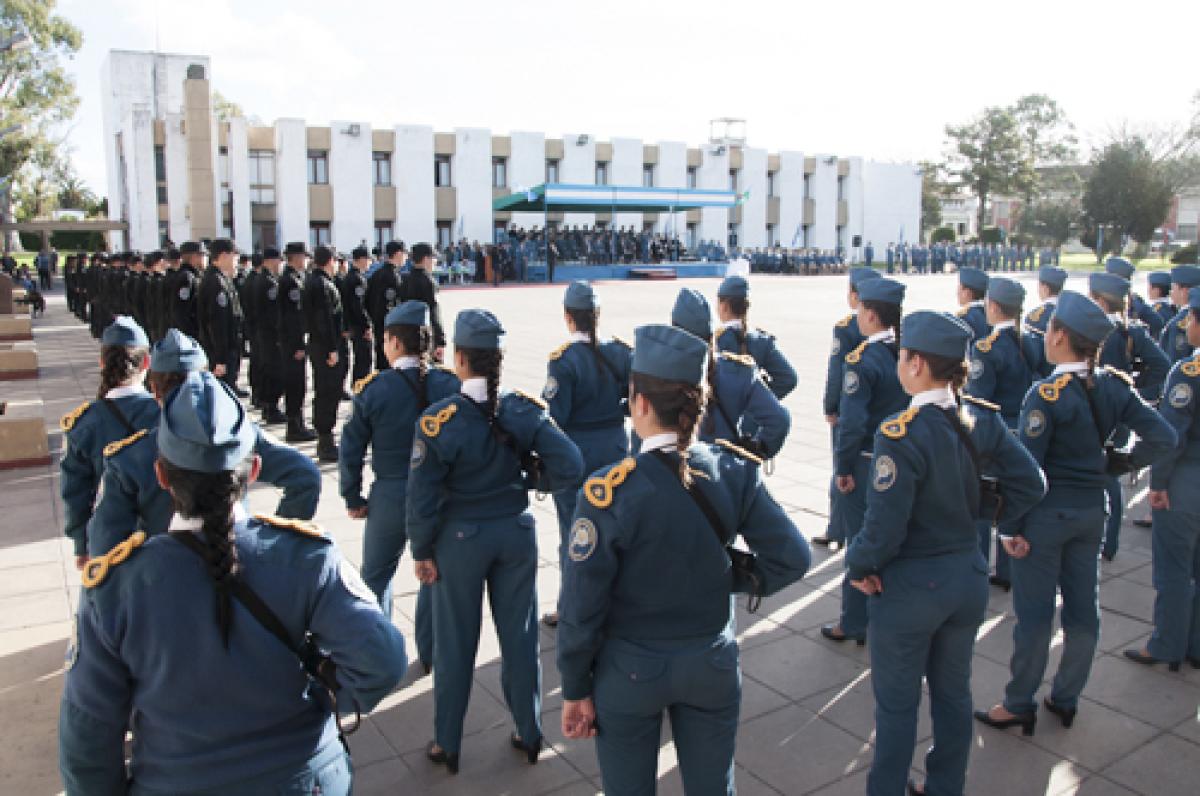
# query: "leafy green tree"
(987, 156)
(932, 190)
(1047, 138)
(1050, 221)
(1128, 195)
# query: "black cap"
(153, 258)
(220, 246)
(117, 257)
(256, 260)
(172, 254)
(295, 247)
(395, 246)
(189, 247)
(322, 255)
(359, 253)
(270, 253)
(421, 251)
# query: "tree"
(987, 156)
(73, 193)
(932, 190)
(1128, 195)
(1047, 139)
(1050, 220)
(225, 109)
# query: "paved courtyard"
(807, 712)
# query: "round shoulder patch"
(360, 291)
(352, 580)
(551, 388)
(1035, 423)
(390, 293)
(1181, 395)
(582, 540)
(294, 294)
(418, 454)
(836, 348)
(885, 473)
(222, 300)
(850, 382)
(975, 370)
(272, 293)
(185, 293)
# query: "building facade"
(177, 172)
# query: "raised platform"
(23, 440)
(18, 361)
(569, 272)
(15, 327)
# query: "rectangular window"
(263, 235)
(733, 180)
(733, 236)
(770, 183)
(602, 172)
(223, 165)
(383, 234)
(772, 235)
(162, 194)
(648, 175)
(807, 185)
(164, 233)
(262, 196)
(160, 164)
(318, 167)
(499, 172)
(551, 171)
(692, 177)
(441, 171)
(382, 162)
(318, 234)
(443, 234)
(262, 167)
(692, 234)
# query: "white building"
(175, 172)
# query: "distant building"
(176, 172)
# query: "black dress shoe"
(272, 416)
(828, 631)
(442, 757)
(241, 393)
(1065, 715)
(531, 752)
(1195, 662)
(1000, 582)
(1108, 556)
(1144, 523)
(1026, 721)
(1149, 660)
(550, 619)
(824, 541)
(299, 433)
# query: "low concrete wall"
(23, 441)
(16, 327)
(18, 363)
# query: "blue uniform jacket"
(922, 500)
(461, 471)
(1130, 343)
(1174, 342)
(386, 407)
(742, 396)
(870, 392)
(1179, 408)
(88, 430)
(1039, 317)
(148, 656)
(643, 563)
(1153, 314)
(780, 375)
(132, 499)
(1060, 430)
(976, 317)
(846, 338)
(1003, 365)
(584, 394)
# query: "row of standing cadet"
(933, 258)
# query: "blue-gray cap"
(860, 275)
(580, 296)
(1006, 291)
(973, 278)
(1120, 267)
(477, 329)
(1160, 279)
(408, 313)
(1112, 286)
(124, 331)
(1083, 316)
(691, 313)
(669, 353)
(937, 333)
(204, 426)
(1194, 298)
(177, 353)
(883, 289)
(1186, 275)
(734, 287)
(1053, 276)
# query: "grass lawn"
(1087, 262)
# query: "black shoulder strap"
(112, 407)
(603, 360)
(702, 502)
(422, 393)
(1091, 399)
(973, 496)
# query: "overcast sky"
(880, 80)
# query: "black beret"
(295, 247)
(395, 246)
(270, 253)
(189, 247)
(360, 252)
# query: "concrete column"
(412, 172)
(526, 168)
(291, 180)
(203, 209)
(753, 178)
(626, 171)
(789, 185)
(472, 164)
(352, 179)
(239, 183)
(714, 174)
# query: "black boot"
(298, 432)
(327, 449)
(271, 416)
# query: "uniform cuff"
(356, 502)
(576, 688)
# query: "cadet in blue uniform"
(122, 407)
(1050, 284)
(217, 704)
(870, 392)
(470, 528)
(1174, 339)
(646, 615)
(741, 409)
(1064, 421)
(736, 337)
(917, 552)
(587, 381)
(846, 338)
(972, 287)
(1176, 505)
(1002, 367)
(1157, 309)
(386, 407)
(130, 495)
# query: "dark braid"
(588, 321)
(161, 383)
(889, 314)
(740, 307)
(211, 497)
(677, 405)
(710, 422)
(1082, 347)
(118, 365)
(486, 362)
(417, 342)
(948, 369)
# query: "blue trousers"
(384, 539)
(1176, 544)
(1064, 554)
(698, 684)
(853, 507)
(501, 556)
(834, 530)
(923, 624)
(329, 772)
(1116, 512)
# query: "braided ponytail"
(740, 307)
(417, 341)
(486, 362)
(119, 364)
(678, 406)
(1082, 347)
(211, 497)
(588, 321)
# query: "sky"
(877, 80)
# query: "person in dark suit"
(419, 286)
(358, 324)
(219, 315)
(267, 304)
(325, 322)
(383, 293)
(291, 342)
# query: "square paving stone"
(795, 751)
(799, 667)
(1168, 764)
(1098, 736)
(1141, 692)
(1126, 597)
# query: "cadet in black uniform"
(419, 286)
(326, 328)
(291, 342)
(354, 293)
(383, 293)
(267, 302)
(249, 333)
(183, 290)
(156, 324)
(219, 314)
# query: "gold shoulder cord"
(600, 490)
(97, 569)
(432, 424)
(896, 429)
(1051, 392)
